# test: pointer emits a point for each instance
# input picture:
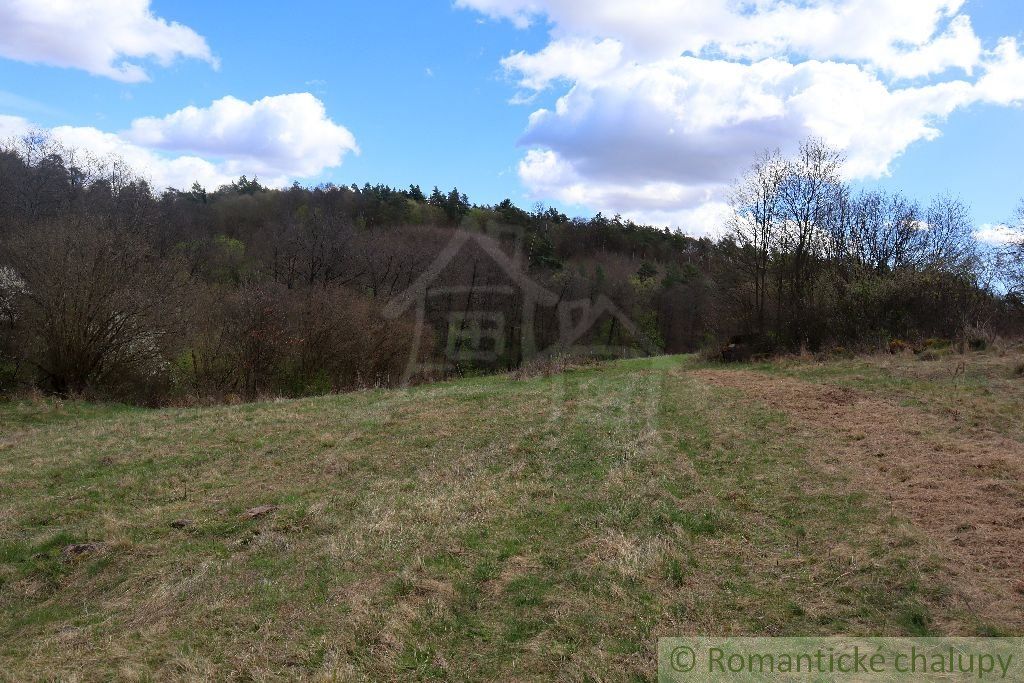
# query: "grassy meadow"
(512, 529)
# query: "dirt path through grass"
(964, 493)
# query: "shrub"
(710, 349)
(747, 347)
(268, 340)
(978, 337)
(95, 310)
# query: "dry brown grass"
(976, 393)
(965, 492)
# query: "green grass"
(482, 529)
(18, 414)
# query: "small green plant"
(675, 573)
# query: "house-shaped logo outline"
(575, 318)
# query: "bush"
(268, 340)
(897, 346)
(746, 347)
(95, 311)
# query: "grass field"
(495, 528)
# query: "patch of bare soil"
(966, 494)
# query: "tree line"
(111, 290)
(817, 262)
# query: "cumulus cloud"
(884, 32)
(103, 37)
(279, 139)
(287, 135)
(551, 175)
(666, 101)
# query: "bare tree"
(810, 201)
(882, 231)
(1009, 258)
(755, 224)
(947, 237)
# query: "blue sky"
(425, 91)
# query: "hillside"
(503, 528)
(114, 292)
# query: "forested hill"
(109, 288)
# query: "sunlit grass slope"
(483, 529)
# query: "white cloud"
(674, 133)
(13, 126)
(286, 135)
(519, 12)
(570, 60)
(958, 47)
(162, 170)
(999, 235)
(883, 32)
(667, 101)
(279, 139)
(103, 37)
(550, 174)
(698, 210)
(705, 220)
(1003, 82)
